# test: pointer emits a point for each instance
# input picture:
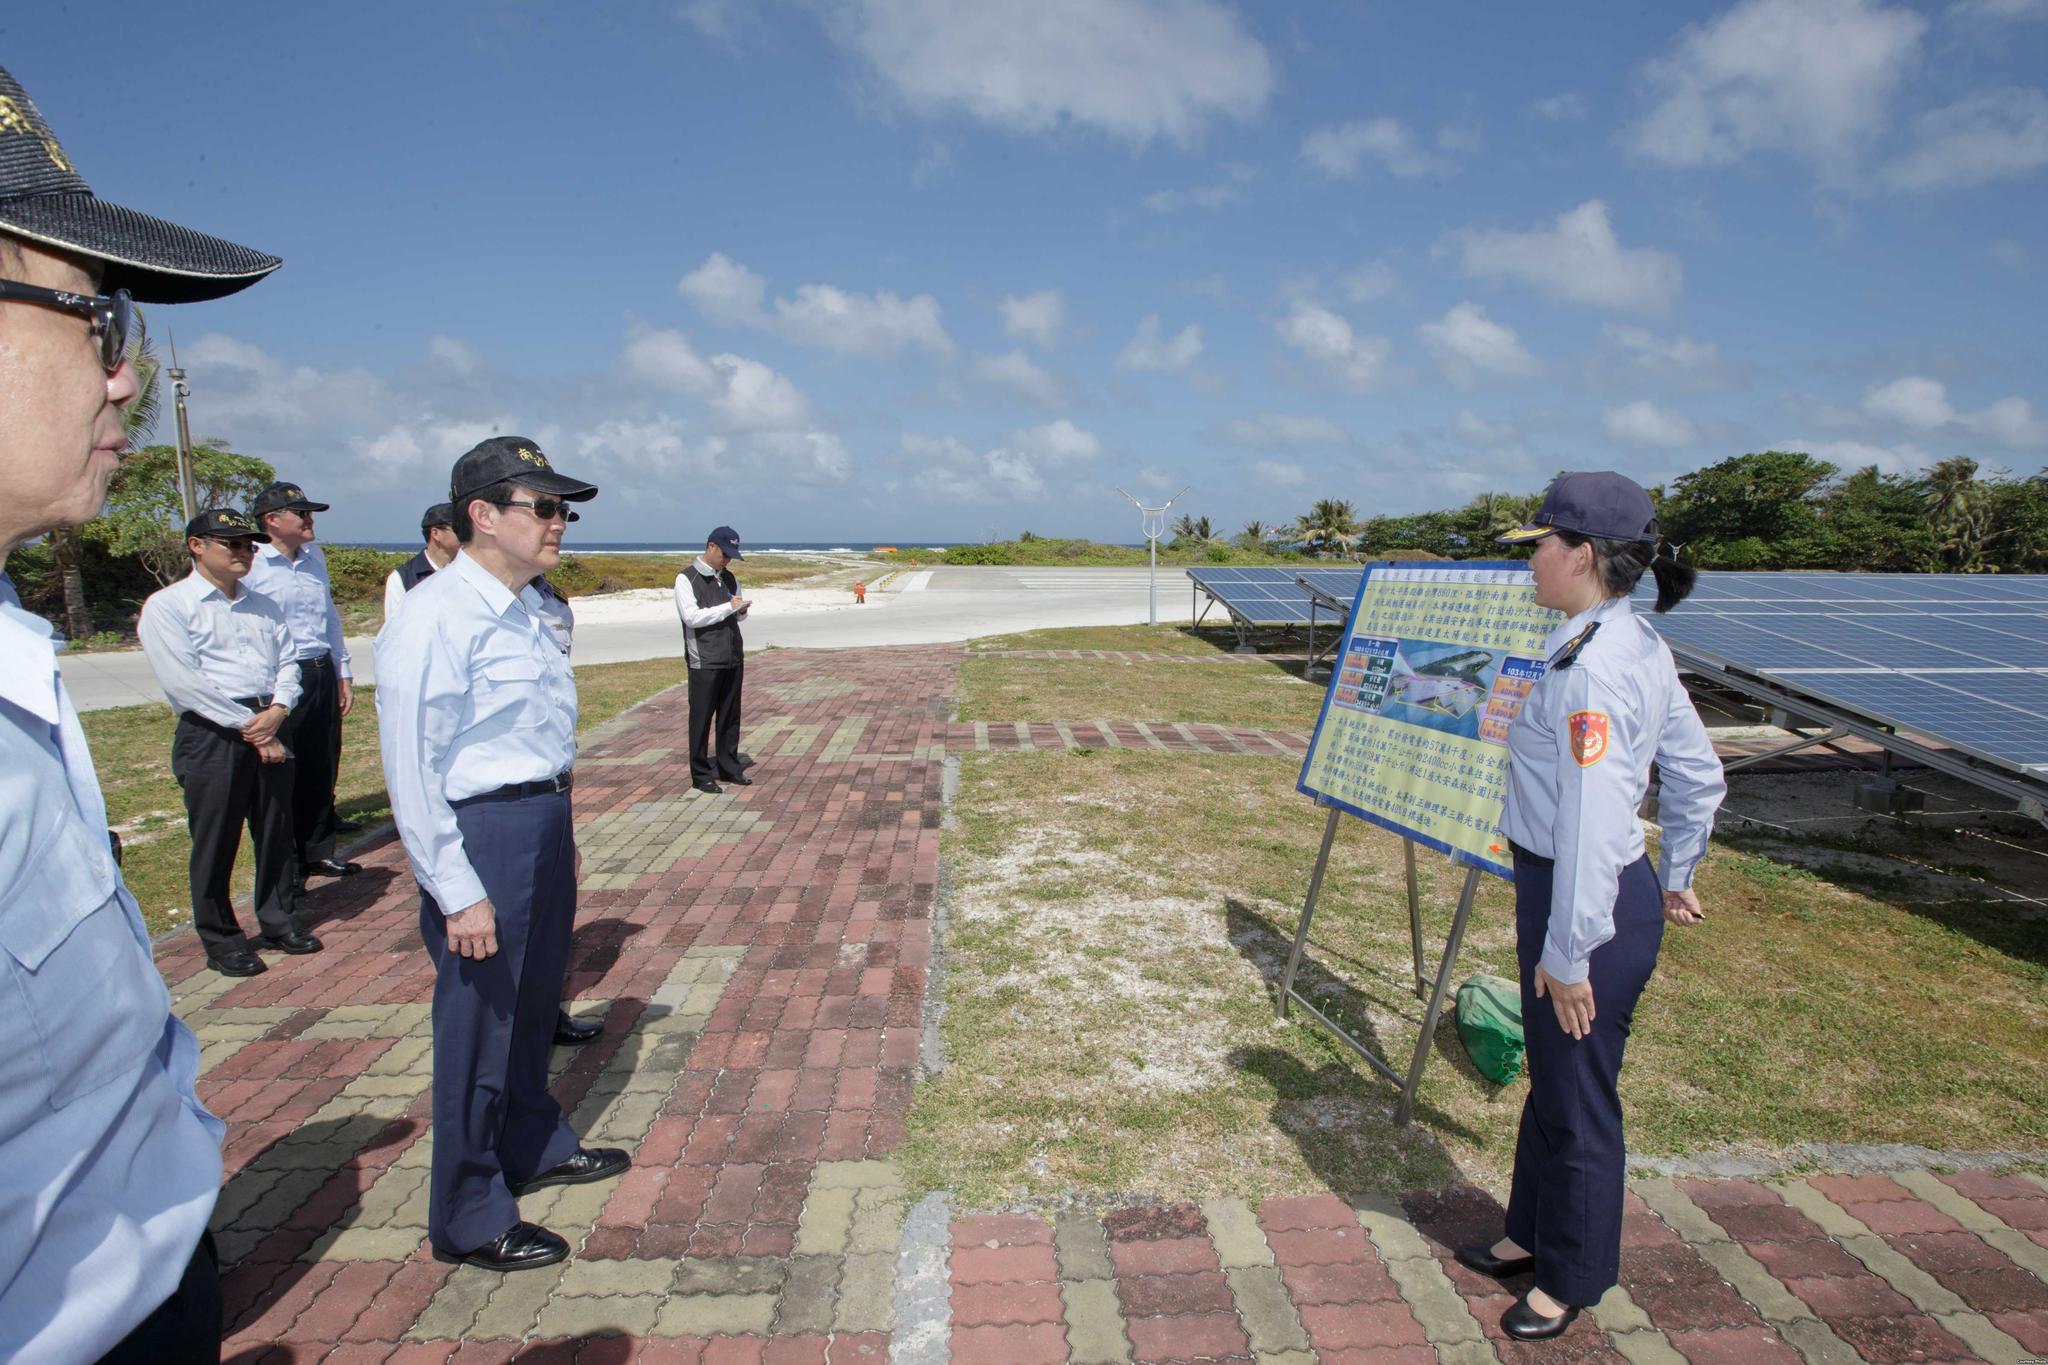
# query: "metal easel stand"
(1410, 1083)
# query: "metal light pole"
(1152, 520)
(180, 391)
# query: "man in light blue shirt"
(292, 572)
(476, 712)
(111, 1163)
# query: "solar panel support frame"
(2029, 798)
(1318, 600)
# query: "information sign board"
(1435, 663)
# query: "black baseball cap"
(512, 459)
(224, 523)
(1602, 504)
(43, 199)
(440, 514)
(281, 495)
(726, 539)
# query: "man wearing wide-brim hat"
(111, 1163)
(476, 710)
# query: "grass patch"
(1109, 1010)
(131, 747)
(1147, 639)
(1257, 695)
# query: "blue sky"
(934, 270)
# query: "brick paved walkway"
(760, 960)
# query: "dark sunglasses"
(547, 509)
(110, 316)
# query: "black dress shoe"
(589, 1163)
(711, 787)
(574, 1032)
(528, 1246)
(741, 781)
(237, 962)
(297, 943)
(329, 867)
(343, 825)
(1482, 1259)
(1524, 1323)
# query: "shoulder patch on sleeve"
(1569, 652)
(1589, 736)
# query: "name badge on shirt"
(1589, 736)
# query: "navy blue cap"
(512, 459)
(440, 514)
(282, 495)
(224, 523)
(726, 539)
(1601, 504)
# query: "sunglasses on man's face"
(111, 317)
(547, 509)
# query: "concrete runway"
(930, 606)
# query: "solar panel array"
(1962, 659)
(1271, 596)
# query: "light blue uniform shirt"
(208, 648)
(1579, 757)
(473, 694)
(109, 1164)
(300, 588)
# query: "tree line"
(1774, 509)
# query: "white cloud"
(822, 315)
(1338, 150)
(1922, 404)
(1916, 402)
(1283, 431)
(1853, 455)
(745, 394)
(1643, 423)
(1060, 442)
(2010, 254)
(1813, 79)
(1036, 318)
(1214, 195)
(1359, 363)
(1470, 427)
(947, 470)
(1015, 372)
(1578, 259)
(1281, 473)
(1149, 350)
(1138, 70)
(1674, 359)
(1466, 342)
(1369, 282)
(1568, 107)
(1993, 135)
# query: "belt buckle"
(560, 782)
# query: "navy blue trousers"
(1565, 1205)
(494, 1020)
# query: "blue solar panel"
(1269, 596)
(1962, 659)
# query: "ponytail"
(1674, 580)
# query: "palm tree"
(1331, 524)
(1255, 534)
(139, 420)
(1955, 507)
(1191, 530)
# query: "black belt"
(518, 791)
(1523, 855)
(227, 731)
(317, 660)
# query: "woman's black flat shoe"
(1524, 1323)
(1482, 1259)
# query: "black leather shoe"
(297, 943)
(344, 825)
(528, 1246)
(1482, 1259)
(709, 787)
(741, 781)
(574, 1032)
(1524, 1323)
(589, 1163)
(329, 867)
(237, 962)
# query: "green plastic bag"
(1490, 1024)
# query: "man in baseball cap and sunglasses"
(112, 1163)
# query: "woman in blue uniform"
(1589, 910)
